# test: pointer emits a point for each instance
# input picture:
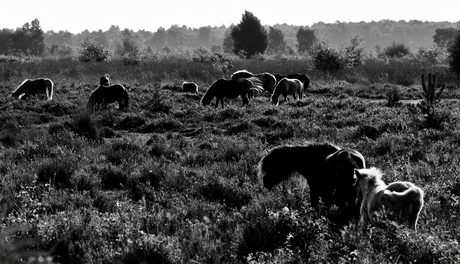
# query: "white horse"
(401, 200)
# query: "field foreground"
(171, 181)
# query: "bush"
(57, 172)
(397, 50)
(113, 179)
(326, 57)
(10, 134)
(91, 52)
(84, 126)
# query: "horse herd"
(242, 84)
(339, 176)
(335, 175)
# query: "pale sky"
(150, 15)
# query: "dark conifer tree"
(454, 54)
(249, 35)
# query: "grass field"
(171, 181)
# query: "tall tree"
(204, 36)
(305, 39)
(276, 42)
(249, 35)
(454, 54)
(444, 36)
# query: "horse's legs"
(245, 99)
(414, 214)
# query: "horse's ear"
(356, 172)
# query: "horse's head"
(105, 80)
(22, 88)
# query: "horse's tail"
(274, 166)
(125, 99)
(306, 82)
(91, 103)
(49, 89)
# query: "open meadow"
(172, 181)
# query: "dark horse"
(299, 76)
(106, 95)
(33, 87)
(325, 166)
(230, 89)
(268, 80)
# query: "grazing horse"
(287, 87)
(401, 200)
(104, 80)
(230, 89)
(339, 183)
(32, 87)
(299, 76)
(106, 95)
(268, 80)
(189, 87)
(324, 165)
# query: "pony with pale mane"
(327, 168)
(400, 200)
(34, 87)
(230, 89)
(299, 76)
(267, 80)
(105, 95)
(287, 87)
(189, 87)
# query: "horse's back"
(241, 74)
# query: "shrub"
(131, 121)
(57, 172)
(91, 52)
(121, 152)
(10, 134)
(326, 57)
(113, 178)
(84, 126)
(397, 50)
(393, 96)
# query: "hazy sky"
(76, 16)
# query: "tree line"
(277, 39)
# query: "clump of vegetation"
(431, 98)
(396, 50)
(57, 172)
(10, 134)
(92, 52)
(83, 125)
(326, 57)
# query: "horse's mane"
(372, 178)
